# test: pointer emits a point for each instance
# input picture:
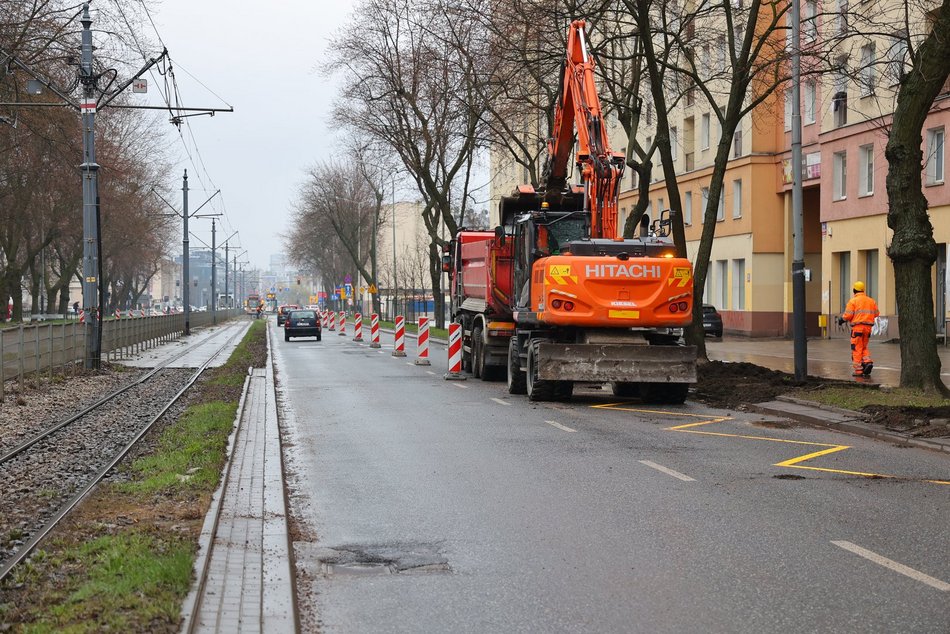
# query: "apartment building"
(846, 109)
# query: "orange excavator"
(587, 305)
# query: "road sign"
(348, 279)
(373, 289)
(140, 85)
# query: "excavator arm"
(578, 108)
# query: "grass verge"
(857, 397)
(124, 559)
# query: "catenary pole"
(90, 196)
(798, 224)
(185, 256)
(214, 286)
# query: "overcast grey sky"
(266, 60)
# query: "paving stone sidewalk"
(244, 576)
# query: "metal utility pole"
(395, 285)
(90, 199)
(214, 286)
(798, 224)
(185, 256)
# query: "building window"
(895, 60)
(687, 208)
(737, 143)
(721, 213)
(844, 279)
(840, 99)
(704, 132)
(634, 179)
(737, 198)
(721, 51)
(810, 24)
(660, 206)
(722, 268)
(704, 197)
(842, 10)
(738, 284)
(788, 109)
(674, 142)
(839, 185)
(866, 170)
(935, 149)
(811, 96)
(871, 261)
(867, 70)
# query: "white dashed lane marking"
(500, 402)
(907, 571)
(670, 472)
(559, 426)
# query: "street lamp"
(395, 285)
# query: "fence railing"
(39, 349)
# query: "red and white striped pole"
(332, 319)
(358, 327)
(374, 331)
(323, 316)
(399, 344)
(118, 314)
(131, 314)
(342, 323)
(82, 316)
(455, 354)
(422, 343)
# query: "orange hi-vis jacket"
(861, 310)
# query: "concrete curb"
(817, 415)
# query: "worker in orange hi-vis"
(861, 312)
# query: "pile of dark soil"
(730, 385)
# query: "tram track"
(46, 476)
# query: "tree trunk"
(912, 249)
(435, 274)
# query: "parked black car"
(302, 323)
(712, 321)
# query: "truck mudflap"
(616, 362)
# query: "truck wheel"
(664, 393)
(563, 390)
(538, 389)
(478, 353)
(625, 388)
(516, 377)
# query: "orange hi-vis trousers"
(860, 355)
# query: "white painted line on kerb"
(659, 467)
(893, 565)
(500, 402)
(559, 425)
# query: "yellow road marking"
(791, 463)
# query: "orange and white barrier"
(358, 327)
(422, 343)
(374, 331)
(131, 314)
(399, 344)
(455, 354)
(342, 323)
(332, 319)
(141, 312)
(118, 314)
(82, 316)
(323, 316)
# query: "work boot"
(867, 367)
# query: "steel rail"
(28, 547)
(49, 431)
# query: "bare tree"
(912, 249)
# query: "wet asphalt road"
(492, 514)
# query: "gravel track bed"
(45, 402)
(35, 485)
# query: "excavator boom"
(578, 107)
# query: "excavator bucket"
(616, 362)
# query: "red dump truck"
(480, 267)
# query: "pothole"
(788, 476)
(771, 424)
(386, 559)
